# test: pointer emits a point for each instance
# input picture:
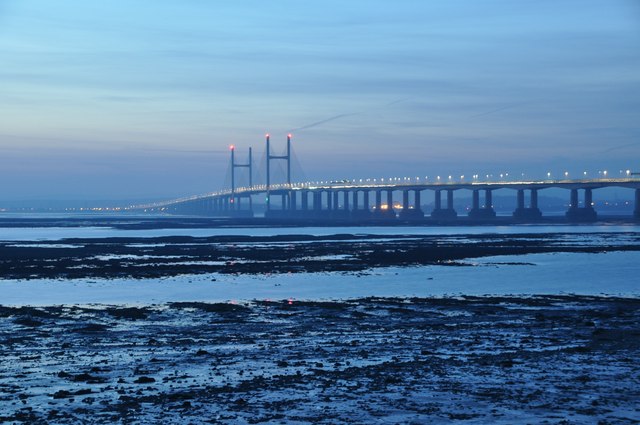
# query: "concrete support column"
(449, 199)
(488, 199)
(475, 200)
(573, 203)
(407, 212)
(284, 201)
(405, 200)
(346, 200)
(390, 200)
(531, 213)
(292, 203)
(329, 201)
(360, 210)
(486, 212)
(588, 198)
(440, 213)
(379, 200)
(336, 201)
(636, 211)
(305, 200)
(520, 199)
(585, 213)
(317, 201)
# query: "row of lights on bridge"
(475, 177)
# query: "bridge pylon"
(285, 193)
(235, 206)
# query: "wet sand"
(542, 359)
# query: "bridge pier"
(378, 211)
(317, 203)
(364, 212)
(440, 213)
(293, 201)
(381, 211)
(636, 211)
(336, 212)
(484, 212)
(585, 213)
(408, 212)
(527, 213)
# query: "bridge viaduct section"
(376, 202)
(345, 200)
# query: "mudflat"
(156, 257)
(538, 359)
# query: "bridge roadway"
(351, 199)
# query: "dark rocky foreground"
(544, 359)
(169, 256)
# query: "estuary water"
(59, 233)
(607, 273)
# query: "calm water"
(57, 233)
(609, 273)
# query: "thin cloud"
(502, 108)
(615, 148)
(317, 123)
(336, 117)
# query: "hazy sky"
(126, 99)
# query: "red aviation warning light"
(289, 136)
(231, 147)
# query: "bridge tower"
(287, 157)
(235, 199)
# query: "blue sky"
(141, 99)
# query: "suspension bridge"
(373, 199)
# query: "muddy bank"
(544, 359)
(169, 256)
